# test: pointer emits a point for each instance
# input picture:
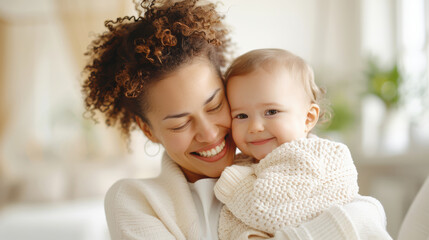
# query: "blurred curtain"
(3, 109)
(17, 54)
(80, 22)
(41, 58)
(80, 18)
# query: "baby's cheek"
(238, 135)
(235, 131)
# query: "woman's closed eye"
(217, 107)
(271, 112)
(181, 127)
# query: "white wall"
(326, 33)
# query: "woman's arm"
(363, 218)
(415, 224)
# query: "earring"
(149, 145)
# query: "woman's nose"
(255, 125)
(207, 130)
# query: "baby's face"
(268, 108)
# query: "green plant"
(342, 115)
(384, 83)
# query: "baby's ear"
(147, 130)
(312, 117)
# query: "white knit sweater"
(163, 208)
(291, 185)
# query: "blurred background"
(55, 165)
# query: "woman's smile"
(211, 153)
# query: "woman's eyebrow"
(176, 115)
(212, 96)
(186, 113)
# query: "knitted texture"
(158, 208)
(163, 208)
(291, 185)
(231, 227)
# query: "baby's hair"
(137, 52)
(297, 67)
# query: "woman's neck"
(192, 177)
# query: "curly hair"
(136, 52)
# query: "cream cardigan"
(291, 185)
(415, 225)
(163, 208)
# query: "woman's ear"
(312, 117)
(147, 130)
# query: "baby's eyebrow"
(235, 110)
(270, 104)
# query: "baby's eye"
(271, 112)
(241, 116)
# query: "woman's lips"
(261, 142)
(213, 152)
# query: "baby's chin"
(258, 158)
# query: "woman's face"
(189, 115)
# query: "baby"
(286, 175)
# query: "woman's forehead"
(185, 89)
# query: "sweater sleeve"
(415, 225)
(235, 182)
(363, 218)
(129, 216)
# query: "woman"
(162, 73)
